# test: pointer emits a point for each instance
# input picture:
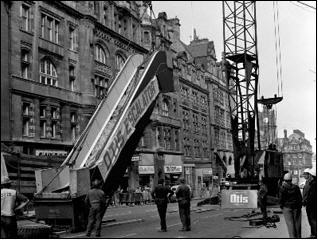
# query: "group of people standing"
(131, 197)
(291, 201)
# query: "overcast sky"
(297, 26)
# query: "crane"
(242, 73)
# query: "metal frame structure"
(240, 55)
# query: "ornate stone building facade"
(62, 57)
(297, 153)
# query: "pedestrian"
(161, 194)
(262, 198)
(183, 194)
(96, 200)
(291, 202)
(310, 199)
(11, 202)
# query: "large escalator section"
(119, 122)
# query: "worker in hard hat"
(291, 202)
(11, 202)
(96, 200)
(310, 199)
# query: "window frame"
(49, 73)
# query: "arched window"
(120, 61)
(100, 54)
(48, 73)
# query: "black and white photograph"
(158, 119)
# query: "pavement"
(123, 215)
(281, 230)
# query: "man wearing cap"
(310, 199)
(291, 202)
(160, 194)
(183, 194)
(11, 202)
(96, 200)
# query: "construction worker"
(96, 200)
(183, 194)
(310, 199)
(291, 202)
(262, 198)
(11, 202)
(161, 194)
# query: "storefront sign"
(135, 158)
(173, 169)
(50, 153)
(118, 140)
(146, 169)
(207, 171)
(239, 199)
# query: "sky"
(298, 29)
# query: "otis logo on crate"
(239, 199)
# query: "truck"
(107, 144)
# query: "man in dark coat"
(310, 199)
(291, 202)
(262, 198)
(96, 200)
(160, 195)
(183, 194)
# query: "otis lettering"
(238, 198)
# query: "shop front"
(146, 174)
(146, 170)
(204, 181)
(172, 169)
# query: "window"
(105, 15)
(100, 54)
(48, 73)
(43, 129)
(28, 119)
(73, 39)
(73, 125)
(25, 109)
(25, 130)
(165, 108)
(100, 86)
(72, 78)
(42, 111)
(53, 129)
(120, 61)
(26, 18)
(25, 63)
(73, 130)
(146, 37)
(53, 113)
(50, 28)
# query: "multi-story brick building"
(62, 56)
(297, 153)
